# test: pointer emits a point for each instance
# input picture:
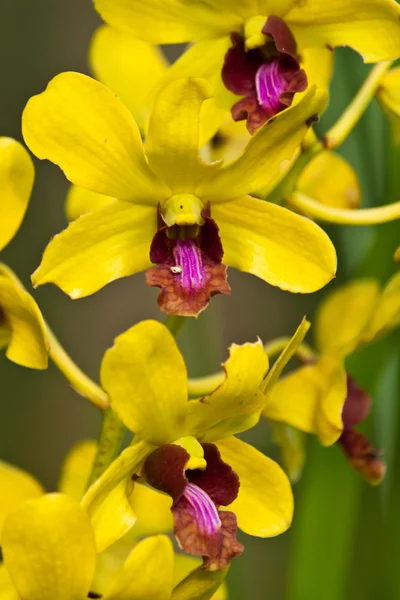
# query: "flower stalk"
(109, 444)
(343, 216)
(80, 382)
(353, 113)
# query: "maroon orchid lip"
(189, 267)
(268, 77)
(357, 404)
(362, 456)
(199, 526)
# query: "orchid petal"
(311, 399)
(145, 376)
(27, 342)
(16, 485)
(264, 506)
(17, 174)
(386, 314)
(227, 410)
(76, 469)
(128, 66)
(106, 501)
(343, 315)
(275, 244)
(146, 573)
(330, 179)
(267, 155)
(99, 247)
(83, 127)
(370, 28)
(181, 21)
(172, 142)
(80, 201)
(48, 549)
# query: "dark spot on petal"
(312, 119)
(329, 47)
(271, 120)
(93, 595)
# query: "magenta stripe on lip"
(269, 85)
(188, 257)
(203, 508)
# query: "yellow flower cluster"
(183, 171)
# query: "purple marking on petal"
(189, 264)
(270, 84)
(203, 509)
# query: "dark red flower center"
(199, 526)
(189, 267)
(268, 77)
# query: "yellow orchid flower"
(186, 449)
(152, 510)
(49, 552)
(320, 397)
(173, 209)
(22, 329)
(256, 49)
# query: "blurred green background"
(344, 542)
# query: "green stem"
(110, 441)
(80, 382)
(355, 110)
(174, 323)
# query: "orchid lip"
(269, 86)
(189, 265)
(206, 512)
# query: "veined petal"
(128, 66)
(343, 315)
(83, 127)
(28, 344)
(80, 201)
(7, 589)
(264, 506)
(204, 60)
(371, 28)
(76, 469)
(200, 584)
(227, 409)
(145, 376)
(17, 174)
(172, 142)
(386, 314)
(16, 485)
(106, 501)
(268, 153)
(330, 179)
(48, 549)
(112, 242)
(275, 244)
(311, 399)
(182, 21)
(147, 572)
